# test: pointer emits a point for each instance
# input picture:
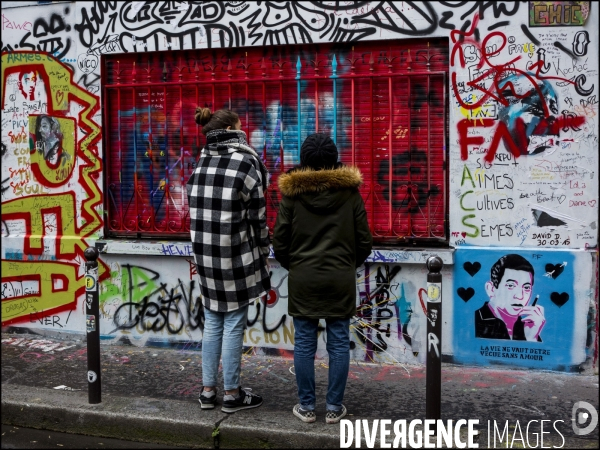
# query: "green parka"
(321, 236)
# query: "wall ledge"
(146, 248)
(185, 249)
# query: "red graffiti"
(423, 292)
(498, 91)
(270, 299)
(193, 269)
(550, 127)
(18, 138)
(27, 83)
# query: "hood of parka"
(321, 191)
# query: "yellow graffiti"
(34, 208)
(475, 114)
(51, 69)
(58, 173)
(480, 175)
(48, 286)
(76, 219)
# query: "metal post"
(92, 325)
(433, 394)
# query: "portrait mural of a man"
(511, 312)
(520, 307)
(27, 84)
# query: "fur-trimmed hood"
(321, 191)
(305, 180)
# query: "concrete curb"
(168, 422)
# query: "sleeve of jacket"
(282, 234)
(257, 209)
(363, 237)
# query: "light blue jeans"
(223, 335)
(338, 348)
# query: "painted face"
(45, 128)
(513, 292)
(27, 84)
(48, 139)
(530, 114)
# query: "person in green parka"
(321, 237)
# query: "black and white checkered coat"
(228, 227)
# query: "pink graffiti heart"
(464, 234)
(60, 96)
(592, 203)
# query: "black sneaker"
(244, 400)
(335, 416)
(304, 415)
(207, 399)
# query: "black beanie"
(318, 152)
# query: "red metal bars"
(391, 122)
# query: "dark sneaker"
(304, 415)
(244, 400)
(335, 416)
(207, 399)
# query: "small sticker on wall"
(433, 292)
(90, 280)
(90, 323)
(89, 299)
(92, 377)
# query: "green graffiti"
(461, 202)
(476, 232)
(136, 284)
(467, 174)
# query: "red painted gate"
(384, 103)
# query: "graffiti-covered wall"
(521, 163)
(524, 166)
(163, 307)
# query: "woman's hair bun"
(203, 116)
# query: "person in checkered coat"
(230, 239)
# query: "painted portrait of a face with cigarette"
(511, 312)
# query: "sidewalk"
(151, 395)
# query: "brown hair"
(220, 119)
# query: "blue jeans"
(223, 334)
(338, 348)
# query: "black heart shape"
(472, 268)
(465, 294)
(555, 269)
(559, 299)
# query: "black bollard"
(92, 325)
(433, 393)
